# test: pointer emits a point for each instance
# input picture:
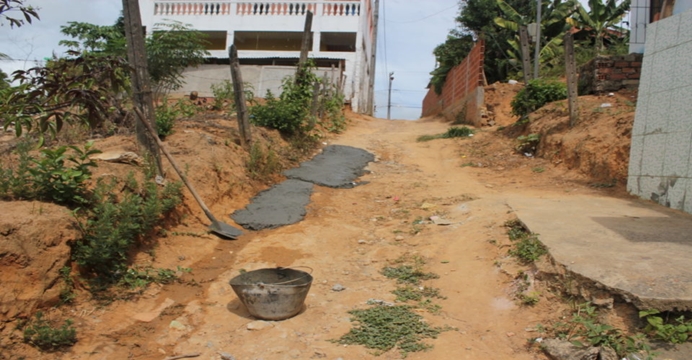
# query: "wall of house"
(260, 77)
(272, 15)
(660, 167)
(462, 94)
(643, 12)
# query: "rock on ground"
(564, 350)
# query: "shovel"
(219, 228)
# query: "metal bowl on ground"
(274, 293)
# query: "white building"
(268, 36)
(644, 12)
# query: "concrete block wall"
(462, 92)
(660, 167)
(610, 73)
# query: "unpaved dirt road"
(347, 237)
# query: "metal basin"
(272, 294)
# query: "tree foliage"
(172, 47)
(554, 15)
(476, 20)
(26, 13)
(600, 18)
(72, 89)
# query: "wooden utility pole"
(571, 69)
(240, 105)
(370, 108)
(525, 54)
(305, 46)
(142, 97)
(537, 55)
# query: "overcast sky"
(412, 28)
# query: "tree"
(601, 18)
(172, 47)
(448, 55)
(554, 15)
(26, 11)
(4, 81)
(77, 88)
(476, 19)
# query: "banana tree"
(553, 25)
(601, 18)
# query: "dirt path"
(347, 237)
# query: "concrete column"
(316, 39)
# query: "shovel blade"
(225, 231)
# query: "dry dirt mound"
(34, 247)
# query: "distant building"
(645, 12)
(268, 37)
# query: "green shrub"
(41, 334)
(289, 112)
(116, 222)
(166, 115)
(528, 144)
(677, 331)
(537, 93)
(261, 164)
(225, 93)
(48, 178)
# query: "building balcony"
(256, 8)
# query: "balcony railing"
(250, 8)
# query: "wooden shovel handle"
(151, 130)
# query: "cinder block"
(662, 76)
(687, 204)
(649, 188)
(636, 152)
(640, 114)
(683, 65)
(647, 69)
(676, 193)
(650, 45)
(680, 110)
(653, 155)
(677, 154)
(657, 112)
(667, 33)
(685, 29)
(633, 185)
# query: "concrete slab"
(337, 166)
(636, 249)
(283, 204)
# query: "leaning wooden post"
(239, 92)
(571, 69)
(142, 97)
(305, 46)
(525, 54)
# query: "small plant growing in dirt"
(139, 278)
(67, 294)
(453, 132)
(676, 331)
(410, 271)
(41, 334)
(384, 327)
(537, 93)
(583, 328)
(224, 94)
(116, 222)
(528, 144)
(260, 163)
(527, 248)
(49, 177)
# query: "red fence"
(461, 91)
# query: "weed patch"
(260, 163)
(661, 327)
(41, 334)
(527, 248)
(384, 327)
(453, 132)
(410, 271)
(117, 222)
